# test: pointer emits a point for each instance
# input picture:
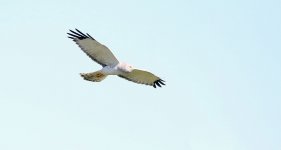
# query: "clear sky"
(221, 60)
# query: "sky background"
(221, 60)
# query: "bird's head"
(126, 67)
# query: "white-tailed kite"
(111, 66)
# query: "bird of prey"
(110, 65)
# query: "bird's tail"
(93, 76)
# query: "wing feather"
(143, 77)
(95, 50)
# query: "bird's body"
(111, 66)
(111, 70)
(118, 69)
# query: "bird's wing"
(95, 50)
(143, 77)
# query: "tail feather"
(93, 76)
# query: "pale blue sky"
(221, 60)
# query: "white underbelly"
(111, 70)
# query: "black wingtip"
(158, 83)
(71, 37)
(162, 82)
(90, 36)
(81, 33)
(77, 34)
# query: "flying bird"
(110, 65)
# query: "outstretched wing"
(96, 51)
(143, 77)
